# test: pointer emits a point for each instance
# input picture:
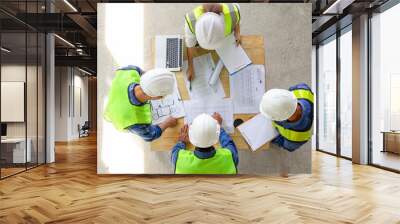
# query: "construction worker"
(208, 25)
(292, 114)
(128, 106)
(204, 133)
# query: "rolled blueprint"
(215, 75)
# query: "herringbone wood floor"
(69, 191)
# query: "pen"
(190, 85)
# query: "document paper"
(257, 131)
(203, 68)
(233, 57)
(247, 88)
(209, 106)
(170, 105)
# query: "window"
(334, 106)
(346, 92)
(22, 66)
(385, 89)
(327, 96)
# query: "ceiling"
(332, 15)
(76, 22)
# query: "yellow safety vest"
(231, 17)
(297, 136)
(221, 163)
(119, 109)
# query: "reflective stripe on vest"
(119, 109)
(294, 136)
(297, 136)
(221, 163)
(304, 94)
(231, 17)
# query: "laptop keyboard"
(174, 48)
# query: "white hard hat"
(278, 104)
(210, 31)
(157, 82)
(204, 131)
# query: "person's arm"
(150, 132)
(226, 142)
(133, 67)
(169, 122)
(131, 94)
(236, 32)
(288, 145)
(175, 151)
(300, 86)
(181, 145)
(291, 146)
(191, 41)
(147, 131)
(278, 140)
(190, 74)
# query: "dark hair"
(212, 7)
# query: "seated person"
(292, 114)
(128, 106)
(208, 25)
(203, 133)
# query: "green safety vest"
(221, 163)
(119, 109)
(231, 17)
(297, 136)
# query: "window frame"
(334, 37)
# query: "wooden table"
(254, 47)
(391, 141)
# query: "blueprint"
(209, 106)
(201, 89)
(247, 88)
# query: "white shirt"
(190, 38)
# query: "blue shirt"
(303, 124)
(148, 132)
(224, 140)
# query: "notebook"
(258, 131)
(233, 57)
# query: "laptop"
(169, 52)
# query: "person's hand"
(217, 117)
(171, 122)
(184, 134)
(190, 73)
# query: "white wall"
(33, 127)
(16, 73)
(67, 115)
(80, 84)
